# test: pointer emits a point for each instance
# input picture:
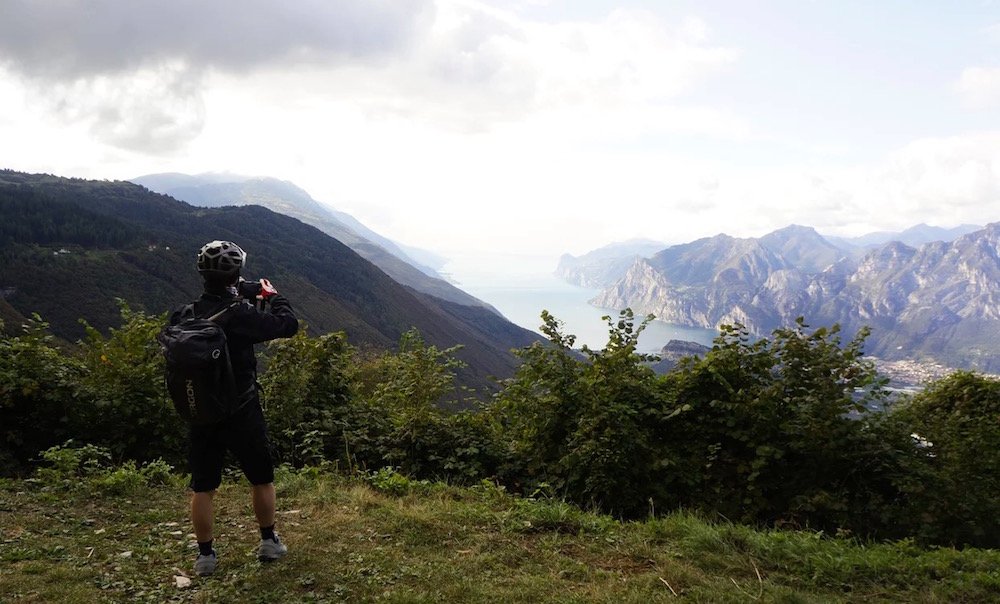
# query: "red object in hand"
(266, 289)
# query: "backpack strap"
(219, 314)
(231, 381)
(188, 311)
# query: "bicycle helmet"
(221, 259)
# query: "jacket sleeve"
(256, 326)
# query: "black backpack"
(199, 373)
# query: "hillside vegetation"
(94, 533)
(70, 248)
(773, 432)
(679, 469)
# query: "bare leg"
(202, 515)
(263, 503)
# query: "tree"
(764, 431)
(121, 400)
(579, 423)
(36, 394)
(955, 426)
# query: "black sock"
(205, 548)
(267, 532)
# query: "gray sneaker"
(271, 549)
(205, 565)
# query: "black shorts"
(245, 435)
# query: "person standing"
(243, 432)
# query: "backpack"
(199, 372)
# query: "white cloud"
(979, 87)
(154, 110)
(956, 179)
(461, 65)
(941, 181)
(478, 66)
(461, 124)
(134, 72)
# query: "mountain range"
(939, 301)
(605, 265)
(218, 190)
(914, 236)
(69, 248)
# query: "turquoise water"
(523, 305)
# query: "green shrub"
(769, 430)
(327, 404)
(408, 392)
(122, 402)
(129, 478)
(36, 395)
(306, 395)
(582, 425)
(757, 431)
(955, 427)
(67, 463)
(773, 431)
(73, 466)
(388, 480)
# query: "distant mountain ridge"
(940, 301)
(284, 197)
(914, 236)
(603, 266)
(71, 247)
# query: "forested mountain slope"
(70, 247)
(288, 199)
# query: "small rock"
(182, 582)
(127, 554)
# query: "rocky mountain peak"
(940, 300)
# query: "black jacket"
(245, 326)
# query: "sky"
(479, 128)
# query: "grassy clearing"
(390, 539)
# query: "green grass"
(389, 539)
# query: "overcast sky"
(542, 126)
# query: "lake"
(521, 298)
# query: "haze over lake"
(520, 286)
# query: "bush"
(756, 431)
(36, 395)
(327, 404)
(408, 392)
(68, 463)
(769, 430)
(774, 430)
(955, 430)
(72, 466)
(122, 400)
(582, 424)
(388, 480)
(307, 392)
